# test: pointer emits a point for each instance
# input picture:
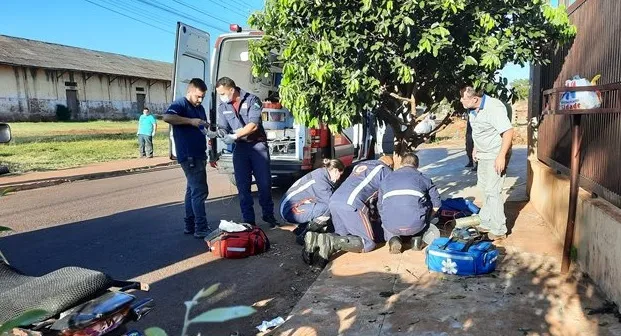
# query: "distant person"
(187, 115)
(492, 134)
(469, 143)
(147, 126)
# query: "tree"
(520, 88)
(344, 58)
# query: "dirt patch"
(272, 282)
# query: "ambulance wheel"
(232, 179)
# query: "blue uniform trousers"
(348, 220)
(253, 159)
(305, 212)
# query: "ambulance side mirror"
(5, 133)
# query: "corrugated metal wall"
(595, 50)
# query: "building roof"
(24, 52)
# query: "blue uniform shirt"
(405, 197)
(189, 140)
(362, 184)
(314, 186)
(250, 108)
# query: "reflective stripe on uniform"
(367, 180)
(297, 191)
(403, 192)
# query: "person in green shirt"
(147, 126)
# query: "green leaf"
(203, 293)
(155, 331)
(4, 228)
(408, 21)
(470, 61)
(24, 319)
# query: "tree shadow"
(148, 245)
(446, 168)
(526, 295)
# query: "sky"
(139, 28)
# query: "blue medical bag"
(461, 257)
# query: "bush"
(63, 113)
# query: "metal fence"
(595, 50)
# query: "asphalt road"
(131, 228)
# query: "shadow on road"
(148, 244)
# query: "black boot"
(330, 243)
(310, 247)
(318, 225)
(395, 245)
(417, 243)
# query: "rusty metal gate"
(595, 50)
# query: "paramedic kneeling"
(406, 202)
(239, 115)
(309, 197)
(306, 203)
(349, 207)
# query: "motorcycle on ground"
(70, 301)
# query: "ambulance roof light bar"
(235, 28)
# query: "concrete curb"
(35, 184)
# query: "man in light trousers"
(492, 134)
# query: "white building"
(36, 77)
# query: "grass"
(57, 145)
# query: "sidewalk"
(382, 294)
(101, 170)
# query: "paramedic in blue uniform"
(309, 197)
(349, 207)
(406, 202)
(306, 203)
(239, 116)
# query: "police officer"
(307, 200)
(349, 207)
(239, 115)
(406, 202)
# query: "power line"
(200, 11)
(144, 12)
(139, 12)
(233, 10)
(127, 16)
(170, 10)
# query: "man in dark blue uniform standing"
(406, 202)
(186, 115)
(239, 115)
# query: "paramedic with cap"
(307, 200)
(349, 207)
(406, 200)
(492, 134)
(239, 116)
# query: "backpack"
(237, 245)
(464, 253)
(453, 208)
